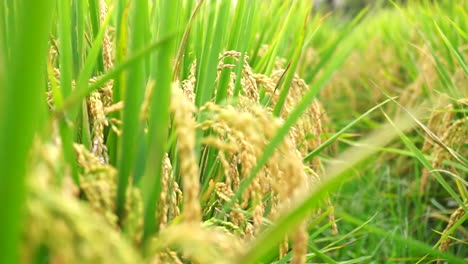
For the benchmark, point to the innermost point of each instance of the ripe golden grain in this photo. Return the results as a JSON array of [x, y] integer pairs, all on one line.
[[454, 137], [164, 197], [71, 231], [243, 131], [239, 133], [198, 244], [185, 129], [98, 122], [107, 50], [98, 183], [439, 121], [188, 85], [454, 217]]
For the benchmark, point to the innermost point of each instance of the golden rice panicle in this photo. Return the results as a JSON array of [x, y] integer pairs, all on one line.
[[248, 127], [53, 52], [454, 217], [241, 141], [188, 85], [439, 121], [133, 221], [164, 257], [224, 192], [300, 240], [165, 195], [107, 49], [248, 80], [291, 183], [198, 244], [331, 215], [71, 231], [314, 125], [99, 121], [283, 247], [107, 55], [307, 131], [98, 183], [306, 134], [48, 166], [241, 132], [176, 199], [185, 124], [227, 168], [454, 137]]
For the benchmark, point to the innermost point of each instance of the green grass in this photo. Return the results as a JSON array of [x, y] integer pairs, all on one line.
[[380, 74], [22, 113]]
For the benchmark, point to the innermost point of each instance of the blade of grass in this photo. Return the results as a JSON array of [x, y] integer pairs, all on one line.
[[332, 139], [78, 31], [120, 81], [330, 50], [66, 128], [321, 255], [268, 60], [22, 86], [93, 6], [159, 117], [182, 46], [410, 145], [133, 98], [292, 66], [446, 235], [245, 36], [78, 95], [209, 62], [236, 26], [405, 153], [409, 242], [93, 55], [65, 48], [458, 55]]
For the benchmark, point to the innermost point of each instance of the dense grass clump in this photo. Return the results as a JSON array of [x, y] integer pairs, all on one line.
[[186, 131]]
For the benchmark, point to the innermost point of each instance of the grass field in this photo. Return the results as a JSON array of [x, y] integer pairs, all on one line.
[[248, 131]]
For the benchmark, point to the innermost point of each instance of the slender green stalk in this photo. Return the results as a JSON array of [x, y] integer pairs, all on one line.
[[332, 139], [22, 85], [66, 126], [428, 165], [79, 94], [292, 67], [133, 99], [159, 116], [93, 6], [209, 61]]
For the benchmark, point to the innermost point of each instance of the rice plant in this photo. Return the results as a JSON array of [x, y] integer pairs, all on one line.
[[218, 131]]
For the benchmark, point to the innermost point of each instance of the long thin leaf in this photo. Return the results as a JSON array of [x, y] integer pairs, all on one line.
[[21, 98]]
